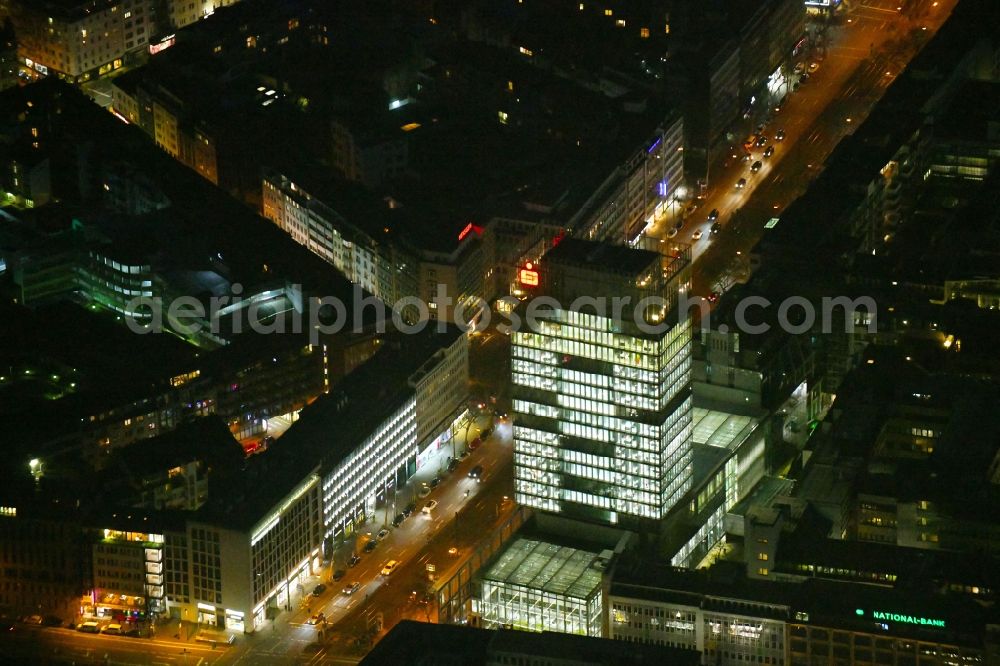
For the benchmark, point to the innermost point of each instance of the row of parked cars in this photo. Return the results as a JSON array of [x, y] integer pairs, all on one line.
[[112, 629]]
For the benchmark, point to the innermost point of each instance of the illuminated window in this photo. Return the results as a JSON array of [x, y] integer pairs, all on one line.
[[510, 86], [644, 33], [502, 116], [127, 15], [620, 23], [83, 33], [762, 571], [609, 12], [666, 29], [526, 51], [762, 557], [581, 6]]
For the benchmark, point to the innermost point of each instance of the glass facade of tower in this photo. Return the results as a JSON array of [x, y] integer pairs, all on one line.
[[603, 416]]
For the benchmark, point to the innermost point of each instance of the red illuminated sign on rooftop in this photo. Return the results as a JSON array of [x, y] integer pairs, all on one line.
[[528, 276], [469, 228]]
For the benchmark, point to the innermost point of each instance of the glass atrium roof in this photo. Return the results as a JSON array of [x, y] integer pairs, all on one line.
[[720, 428], [547, 567]]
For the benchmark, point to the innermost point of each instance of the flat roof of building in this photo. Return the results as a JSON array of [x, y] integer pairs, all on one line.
[[548, 567], [599, 256], [832, 604], [586, 650], [421, 642], [329, 429], [205, 439], [720, 429]]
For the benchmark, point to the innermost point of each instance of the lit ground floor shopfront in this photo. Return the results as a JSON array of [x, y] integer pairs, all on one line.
[[288, 594]]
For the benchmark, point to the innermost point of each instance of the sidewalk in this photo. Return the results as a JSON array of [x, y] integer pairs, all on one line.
[[434, 466]]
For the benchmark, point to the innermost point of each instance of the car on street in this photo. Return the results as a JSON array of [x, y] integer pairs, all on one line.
[[435, 482], [799, 67], [671, 232], [382, 534], [755, 167], [319, 589], [741, 183], [696, 235], [135, 632], [813, 66], [474, 444], [338, 574], [398, 520], [761, 140], [452, 464], [804, 78], [714, 215], [713, 297], [779, 135], [691, 208], [353, 562], [716, 228], [679, 225], [318, 618], [351, 588], [390, 567], [746, 157], [409, 508], [769, 151], [33, 619], [89, 627], [425, 490], [429, 507], [370, 546], [113, 629], [476, 472]]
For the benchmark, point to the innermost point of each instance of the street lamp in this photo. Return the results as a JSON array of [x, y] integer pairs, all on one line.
[[36, 467]]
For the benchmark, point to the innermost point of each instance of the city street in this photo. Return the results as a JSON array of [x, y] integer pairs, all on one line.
[[863, 50], [37, 645], [866, 49], [458, 522]]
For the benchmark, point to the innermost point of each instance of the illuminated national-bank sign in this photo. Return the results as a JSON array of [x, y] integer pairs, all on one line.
[[902, 617]]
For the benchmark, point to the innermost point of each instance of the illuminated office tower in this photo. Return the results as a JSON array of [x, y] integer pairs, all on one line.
[[602, 400]]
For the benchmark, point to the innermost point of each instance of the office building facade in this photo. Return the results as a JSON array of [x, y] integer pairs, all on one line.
[[83, 40], [645, 184], [603, 410]]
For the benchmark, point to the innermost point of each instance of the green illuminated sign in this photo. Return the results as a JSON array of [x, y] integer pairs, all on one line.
[[771, 224], [900, 617]]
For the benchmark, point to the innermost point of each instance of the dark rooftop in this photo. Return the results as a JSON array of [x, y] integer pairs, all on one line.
[[329, 428], [620, 259], [206, 439], [725, 586], [418, 642]]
